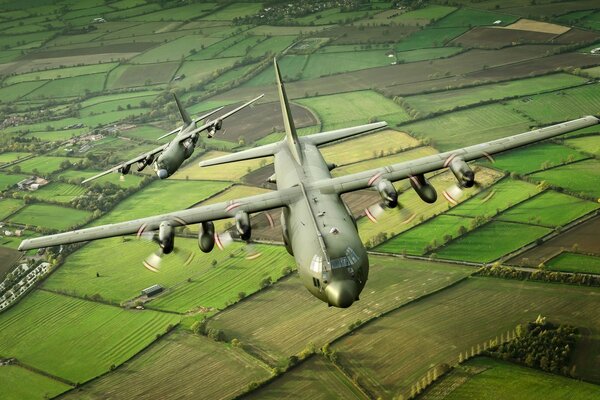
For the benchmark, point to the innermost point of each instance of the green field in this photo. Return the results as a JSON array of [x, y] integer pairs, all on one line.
[[485, 378], [491, 241], [9, 206], [468, 17], [128, 181], [427, 333], [581, 177], [182, 13], [14, 92], [11, 156], [198, 71], [449, 99], [587, 144], [431, 233], [81, 338], [574, 262], [174, 50], [37, 386], [161, 197], [316, 378], [44, 165], [50, 216], [550, 209], [536, 157], [125, 76], [118, 105], [234, 10], [58, 192], [294, 317], [217, 371], [233, 172], [354, 108], [70, 87], [429, 37], [417, 17], [58, 73], [7, 181]]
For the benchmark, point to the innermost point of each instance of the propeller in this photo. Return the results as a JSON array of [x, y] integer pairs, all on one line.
[[154, 260]]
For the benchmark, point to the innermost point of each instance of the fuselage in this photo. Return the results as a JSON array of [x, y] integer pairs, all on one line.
[[171, 158], [320, 231]]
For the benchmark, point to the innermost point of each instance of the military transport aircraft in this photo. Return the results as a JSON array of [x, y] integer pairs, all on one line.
[[318, 229], [171, 155]]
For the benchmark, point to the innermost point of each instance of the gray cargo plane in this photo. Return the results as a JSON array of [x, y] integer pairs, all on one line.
[[318, 228], [171, 155]]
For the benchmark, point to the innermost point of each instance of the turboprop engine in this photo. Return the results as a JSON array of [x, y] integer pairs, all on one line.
[[206, 236], [423, 188], [463, 173], [166, 237], [242, 225], [144, 162], [216, 126], [388, 193], [124, 170]]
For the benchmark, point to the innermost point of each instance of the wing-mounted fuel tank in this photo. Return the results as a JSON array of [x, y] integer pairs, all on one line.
[[423, 188], [242, 225], [461, 170], [166, 237], [206, 236], [388, 193]]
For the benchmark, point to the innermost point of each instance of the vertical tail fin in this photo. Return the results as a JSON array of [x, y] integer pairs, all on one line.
[[184, 115], [288, 122]]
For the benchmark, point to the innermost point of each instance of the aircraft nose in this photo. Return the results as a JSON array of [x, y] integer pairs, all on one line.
[[162, 173], [341, 293]]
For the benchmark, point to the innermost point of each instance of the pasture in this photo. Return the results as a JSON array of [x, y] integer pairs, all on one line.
[[162, 197], [234, 10], [37, 386], [59, 73], [198, 71], [429, 37], [232, 172], [70, 87], [7, 180], [391, 353], [574, 262], [59, 192], [50, 216], [14, 92], [491, 241], [221, 372], [174, 50], [294, 317], [586, 144], [468, 17], [11, 156], [183, 13], [82, 339], [44, 165], [9, 206], [581, 177], [125, 76], [128, 181], [419, 17], [536, 157], [488, 378]]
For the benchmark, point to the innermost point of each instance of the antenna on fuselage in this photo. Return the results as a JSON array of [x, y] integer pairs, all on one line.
[[291, 135]]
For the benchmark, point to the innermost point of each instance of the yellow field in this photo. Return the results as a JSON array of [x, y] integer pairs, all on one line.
[[536, 26], [229, 172]]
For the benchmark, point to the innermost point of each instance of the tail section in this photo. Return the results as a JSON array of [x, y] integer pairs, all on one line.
[[184, 115], [288, 122]]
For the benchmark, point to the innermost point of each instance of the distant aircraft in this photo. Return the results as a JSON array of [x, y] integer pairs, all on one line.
[[171, 155], [318, 228]]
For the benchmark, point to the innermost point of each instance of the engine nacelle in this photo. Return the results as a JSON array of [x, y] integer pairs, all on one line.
[[166, 237], [124, 170], [388, 193], [219, 124], [423, 188], [463, 173], [242, 225], [331, 166], [144, 162], [206, 236]]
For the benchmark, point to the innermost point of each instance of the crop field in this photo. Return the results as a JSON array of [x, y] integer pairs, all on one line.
[[368, 146], [198, 71], [587, 144], [162, 197], [43, 164], [14, 92], [174, 50], [390, 354], [180, 354], [497, 198], [581, 177], [177, 13], [574, 262], [69, 87], [358, 108], [38, 386], [316, 378], [11, 156], [491, 241], [7, 181], [429, 37], [429, 234], [447, 100], [494, 38], [117, 105], [536, 157], [81, 339], [59, 73], [550, 209], [128, 181], [50, 216], [419, 17], [58, 192], [332, 16], [141, 75], [489, 382], [294, 317], [233, 172], [9, 206], [144, 132], [469, 17]]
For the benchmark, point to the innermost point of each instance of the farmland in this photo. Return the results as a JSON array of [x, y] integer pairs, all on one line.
[[50, 216], [9, 206], [38, 386], [7, 181], [573, 262], [43, 164], [59, 192], [582, 177], [233, 172]]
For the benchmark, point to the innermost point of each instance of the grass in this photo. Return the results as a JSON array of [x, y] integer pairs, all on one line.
[[431, 233], [294, 317], [221, 371], [419, 17], [79, 175], [175, 50], [43, 164], [38, 386], [574, 262], [233, 172], [183, 13], [161, 197], [59, 73], [7, 181], [316, 378], [11, 93], [491, 241], [581, 177], [235, 10], [429, 37], [449, 99], [11, 156], [354, 108], [273, 45], [468, 17], [9, 207], [58, 192], [82, 339], [536, 157], [125, 76], [550, 209], [198, 71], [390, 354], [116, 105], [50, 216], [587, 144], [209, 287], [70, 87]]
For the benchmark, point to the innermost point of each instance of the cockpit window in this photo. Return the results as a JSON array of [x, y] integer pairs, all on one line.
[[349, 259]]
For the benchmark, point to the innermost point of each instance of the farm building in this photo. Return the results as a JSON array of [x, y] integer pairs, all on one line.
[[32, 183], [152, 290]]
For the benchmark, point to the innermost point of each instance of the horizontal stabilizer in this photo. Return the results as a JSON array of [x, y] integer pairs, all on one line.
[[318, 139], [257, 152]]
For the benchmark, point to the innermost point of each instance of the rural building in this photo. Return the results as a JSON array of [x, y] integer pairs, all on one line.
[[152, 290], [32, 183]]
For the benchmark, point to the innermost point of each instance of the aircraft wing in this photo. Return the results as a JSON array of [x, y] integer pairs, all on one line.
[[396, 172], [190, 216], [195, 120], [125, 164]]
